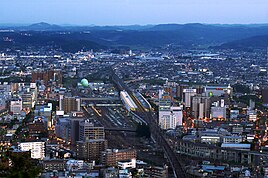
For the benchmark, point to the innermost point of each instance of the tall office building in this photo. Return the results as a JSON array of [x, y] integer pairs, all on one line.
[[90, 150], [169, 116], [179, 90], [201, 107], [88, 131], [75, 129], [63, 129], [187, 96], [71, 104], [28, 100], [61, 96], [91, 141]]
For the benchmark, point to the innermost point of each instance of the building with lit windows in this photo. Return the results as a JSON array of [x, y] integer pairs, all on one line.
[[87, 131], [187, 96], [169, 116], [218, 90], [37, 149], [111, 157]]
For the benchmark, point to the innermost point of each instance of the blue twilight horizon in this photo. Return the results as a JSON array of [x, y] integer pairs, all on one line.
[[128, 12]]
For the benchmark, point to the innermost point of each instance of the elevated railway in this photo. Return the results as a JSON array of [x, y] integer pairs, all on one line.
[[156, 132]]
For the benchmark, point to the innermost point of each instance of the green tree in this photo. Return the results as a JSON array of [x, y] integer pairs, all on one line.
[[23, 166]]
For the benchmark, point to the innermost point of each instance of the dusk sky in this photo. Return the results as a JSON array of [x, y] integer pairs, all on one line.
[[127, 12]]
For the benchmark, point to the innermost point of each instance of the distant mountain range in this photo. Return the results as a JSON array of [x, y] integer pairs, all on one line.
[[248, 43], [96, 37], [42, 26]]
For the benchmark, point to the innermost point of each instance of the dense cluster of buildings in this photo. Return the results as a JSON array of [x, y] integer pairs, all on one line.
[[212, 112]]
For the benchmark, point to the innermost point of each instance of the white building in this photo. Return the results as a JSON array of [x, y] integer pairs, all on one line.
[[210, 139], [187, 96], [127, 164], [232, 139], [37, 149], [16, 106], [61, 96], [161, 92], [169, 117]]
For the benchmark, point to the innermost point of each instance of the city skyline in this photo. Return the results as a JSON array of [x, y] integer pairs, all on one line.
[[132, 88], [129, 12]]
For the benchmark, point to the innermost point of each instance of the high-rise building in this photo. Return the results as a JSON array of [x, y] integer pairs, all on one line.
[[28, 95], [179, 90], [71, 104], [169, 116], [88, 131], [252, 115], [187, 96], [75, 129], [91, 141], [61, 96], [27, 100], [63, 129], [90, 150], [37, 149], [201, 107]]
